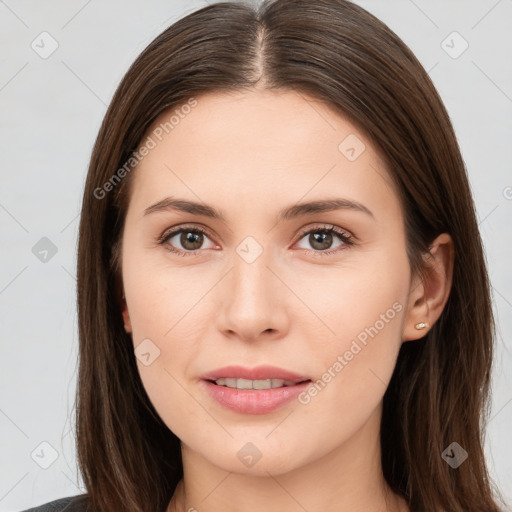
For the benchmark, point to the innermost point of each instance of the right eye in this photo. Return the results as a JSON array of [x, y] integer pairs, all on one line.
[[190, 239]]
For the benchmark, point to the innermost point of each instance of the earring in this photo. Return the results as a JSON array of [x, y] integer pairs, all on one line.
[[421, 325]]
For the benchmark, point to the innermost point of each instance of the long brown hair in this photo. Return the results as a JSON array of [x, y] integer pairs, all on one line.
[[338, 53]]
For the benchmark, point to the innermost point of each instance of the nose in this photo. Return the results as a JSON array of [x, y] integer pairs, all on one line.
[[254, 301]]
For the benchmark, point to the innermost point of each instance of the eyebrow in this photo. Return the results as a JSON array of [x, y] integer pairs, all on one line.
[[297, 210]]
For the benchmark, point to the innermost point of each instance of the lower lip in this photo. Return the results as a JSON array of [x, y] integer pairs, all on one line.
[[254, 401]]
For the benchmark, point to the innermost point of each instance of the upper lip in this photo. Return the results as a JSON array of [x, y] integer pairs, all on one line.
[[256, 373]]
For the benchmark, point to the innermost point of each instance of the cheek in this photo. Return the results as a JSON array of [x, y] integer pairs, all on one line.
[[355, 370], [163, 357], [161, 297], [356, 362], [167, 323]]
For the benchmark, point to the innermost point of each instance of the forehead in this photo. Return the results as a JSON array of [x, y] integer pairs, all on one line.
[[258, 146], [258, 120]]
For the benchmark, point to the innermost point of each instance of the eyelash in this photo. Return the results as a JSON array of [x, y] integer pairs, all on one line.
[[328, 229]]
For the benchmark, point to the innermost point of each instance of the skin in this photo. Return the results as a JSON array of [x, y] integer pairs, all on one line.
[[251, 154]]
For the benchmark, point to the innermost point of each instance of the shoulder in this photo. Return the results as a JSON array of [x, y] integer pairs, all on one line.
[[76, 503]]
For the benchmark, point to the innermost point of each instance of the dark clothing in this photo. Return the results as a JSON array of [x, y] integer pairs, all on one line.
[[76, 503]]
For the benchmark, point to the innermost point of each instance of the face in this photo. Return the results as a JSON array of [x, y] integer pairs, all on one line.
[[321, 293]]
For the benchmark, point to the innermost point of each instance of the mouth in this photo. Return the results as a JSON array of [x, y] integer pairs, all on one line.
[[259, 390], [259, 377], [239, 383]]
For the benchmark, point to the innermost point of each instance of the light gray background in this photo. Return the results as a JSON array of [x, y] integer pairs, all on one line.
[[51, 110]]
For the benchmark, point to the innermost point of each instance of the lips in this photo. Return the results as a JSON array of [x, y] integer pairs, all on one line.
[[257, 373], [255, 400]]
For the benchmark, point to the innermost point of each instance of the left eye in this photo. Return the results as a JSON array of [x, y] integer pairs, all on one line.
[[321, 239]]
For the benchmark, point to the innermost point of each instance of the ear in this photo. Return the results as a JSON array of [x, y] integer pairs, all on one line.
[[126, 315], [115, 265], [429, 293]]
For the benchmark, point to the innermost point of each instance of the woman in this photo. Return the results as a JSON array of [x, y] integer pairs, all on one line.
[[283, 300]]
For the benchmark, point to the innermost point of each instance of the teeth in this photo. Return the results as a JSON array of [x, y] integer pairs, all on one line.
[[253, 384]]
